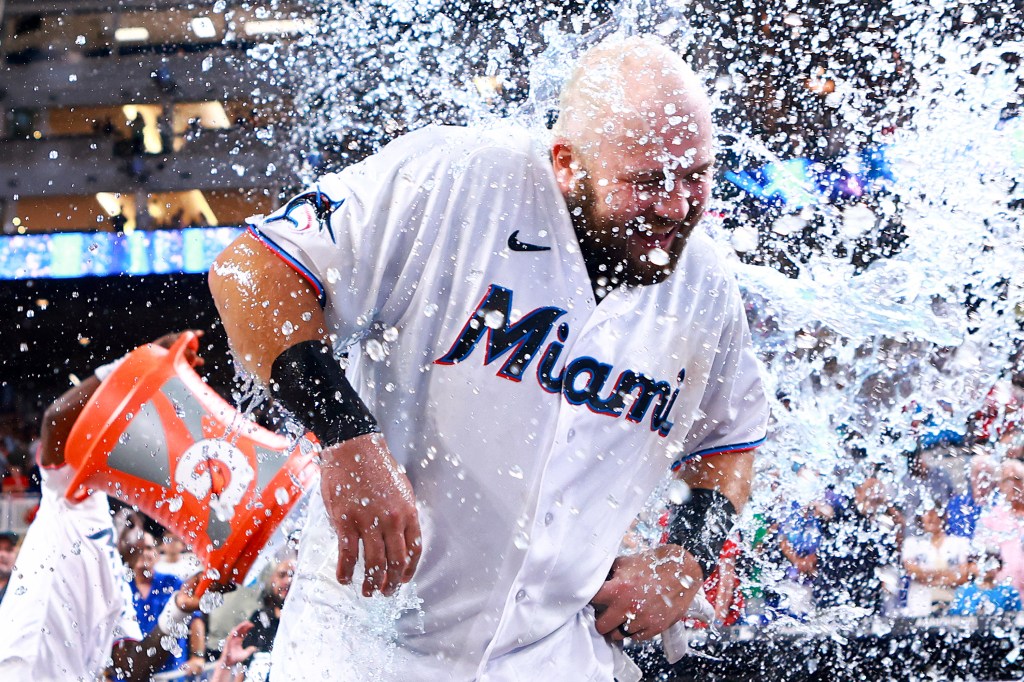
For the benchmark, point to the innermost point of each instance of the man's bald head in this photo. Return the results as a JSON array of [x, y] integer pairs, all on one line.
[[633, 157], [623, 82]]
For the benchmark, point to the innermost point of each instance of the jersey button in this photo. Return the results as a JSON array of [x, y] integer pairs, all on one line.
[[520, 595]]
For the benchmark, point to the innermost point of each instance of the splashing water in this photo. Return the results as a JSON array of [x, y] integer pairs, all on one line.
[[866, 314], [849, 347]]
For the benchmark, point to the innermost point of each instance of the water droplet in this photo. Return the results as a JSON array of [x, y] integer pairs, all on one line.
[[287, 328], [494, 319], [390, 334], [658, 256], [521, 540], [282, 496], [515, 471], [374, 350], [678, 492]]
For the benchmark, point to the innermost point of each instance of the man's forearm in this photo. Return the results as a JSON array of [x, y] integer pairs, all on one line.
[[719, 487], [60, 417], [139, 660], [729, 473]]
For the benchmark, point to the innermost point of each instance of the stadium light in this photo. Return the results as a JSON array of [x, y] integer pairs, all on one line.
[[203, 27], [278, 26], [109, 202], [131, 34]]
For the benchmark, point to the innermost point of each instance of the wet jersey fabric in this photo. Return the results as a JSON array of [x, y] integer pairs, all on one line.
[[533, 421], [68, 600]]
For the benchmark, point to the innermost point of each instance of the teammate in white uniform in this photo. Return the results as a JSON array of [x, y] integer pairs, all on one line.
[[68, 608], [538, 349], [69, 600]]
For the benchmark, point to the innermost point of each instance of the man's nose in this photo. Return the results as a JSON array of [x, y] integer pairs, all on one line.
[[674, 205]]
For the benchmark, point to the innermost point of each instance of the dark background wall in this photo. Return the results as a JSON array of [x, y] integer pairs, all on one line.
[[53, 328]]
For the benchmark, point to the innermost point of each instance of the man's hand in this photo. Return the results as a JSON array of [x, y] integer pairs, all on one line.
[[188, 600], [647, 593], [369, 499], [167, 340], [234, 653]]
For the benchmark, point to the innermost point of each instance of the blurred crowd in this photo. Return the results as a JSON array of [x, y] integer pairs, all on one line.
[[917, 548], [19, 473], [945, 538]]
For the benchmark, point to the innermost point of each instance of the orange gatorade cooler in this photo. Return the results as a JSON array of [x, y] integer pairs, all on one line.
[[154, 435]]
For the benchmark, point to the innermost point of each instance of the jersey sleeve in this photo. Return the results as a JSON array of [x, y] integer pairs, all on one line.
[[126, 627], [357, 237], [733, 410]]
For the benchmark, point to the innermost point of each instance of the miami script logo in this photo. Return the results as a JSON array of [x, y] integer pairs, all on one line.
[[581, 382]]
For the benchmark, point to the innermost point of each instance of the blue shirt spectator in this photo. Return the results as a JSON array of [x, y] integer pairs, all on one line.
[[975, 600], [962, 517], [150, 593], [965, 509], [984, 596], [148, 608]]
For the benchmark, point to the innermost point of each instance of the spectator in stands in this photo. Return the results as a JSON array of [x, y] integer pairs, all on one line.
[[176, 559], [722, 588], [965, 508], [15, 481], [986, 595], [222, 621], [859, 552], [798, 540], [1000, 417], [936, 564], [266, 619], [1002, 526], [925, 485], [151, 591], [137, 126], [256, 635], [8, 555]]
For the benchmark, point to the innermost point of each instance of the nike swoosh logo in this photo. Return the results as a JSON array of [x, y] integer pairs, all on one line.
[[516, 245]]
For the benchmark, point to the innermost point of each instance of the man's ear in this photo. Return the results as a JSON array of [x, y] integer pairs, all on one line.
[[566, 167]]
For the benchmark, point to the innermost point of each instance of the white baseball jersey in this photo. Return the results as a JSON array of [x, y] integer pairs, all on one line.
[[533, 421], [68, 600]]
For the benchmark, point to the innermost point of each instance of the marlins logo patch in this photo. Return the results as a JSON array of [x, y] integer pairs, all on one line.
[[308, 210]]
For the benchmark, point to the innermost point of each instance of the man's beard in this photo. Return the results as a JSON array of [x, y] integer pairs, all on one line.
[[272, 600], [622, 253]]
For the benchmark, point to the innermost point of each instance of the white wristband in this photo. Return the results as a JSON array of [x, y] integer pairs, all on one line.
[[104, 371], [172, 620]]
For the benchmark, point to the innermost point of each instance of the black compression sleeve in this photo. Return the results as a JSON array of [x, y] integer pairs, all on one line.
[[308, 381], [701, 525]]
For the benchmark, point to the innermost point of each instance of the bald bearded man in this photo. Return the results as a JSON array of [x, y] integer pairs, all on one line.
[[537, 334]]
